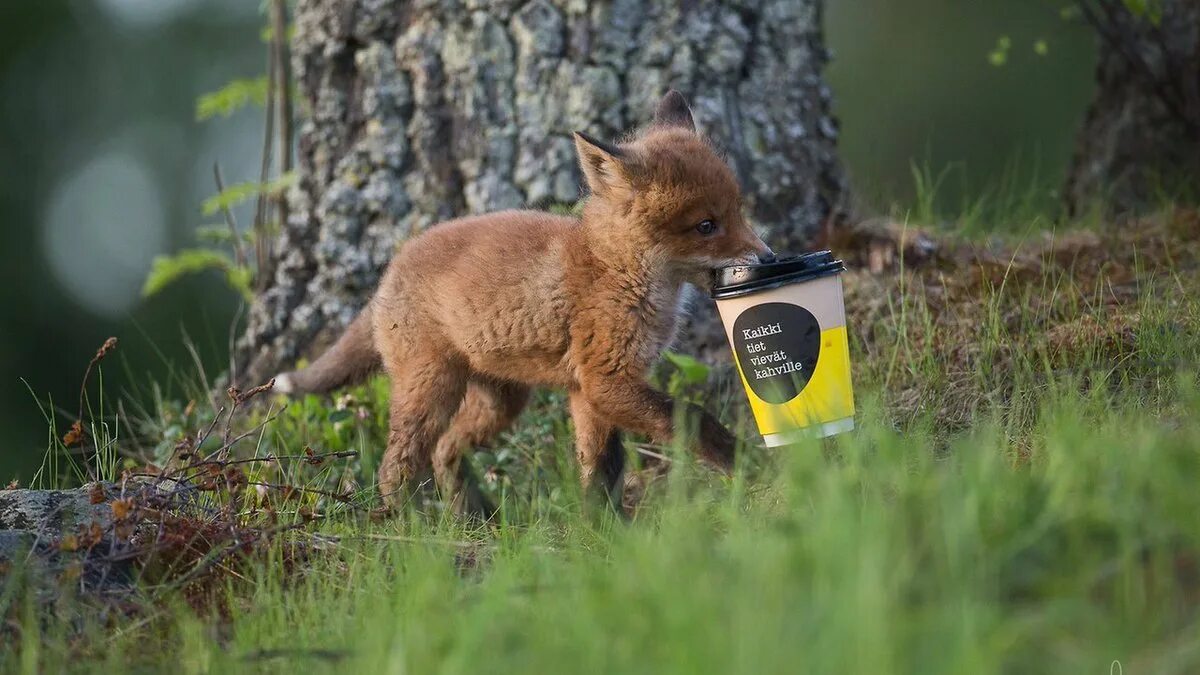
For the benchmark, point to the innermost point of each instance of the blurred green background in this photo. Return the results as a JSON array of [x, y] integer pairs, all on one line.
[[103, 165]]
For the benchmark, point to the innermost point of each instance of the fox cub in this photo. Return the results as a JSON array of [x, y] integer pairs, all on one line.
[[474, 312]]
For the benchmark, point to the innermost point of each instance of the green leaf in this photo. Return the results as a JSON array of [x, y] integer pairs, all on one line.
[[268, 32], [1150, 10], [214, 234], [231, 98], [999, 55], [231, 196], [167, 269], [692, 370], [239, 192], [1041, 48], [241, 279], [1155, 11], [220, 234]]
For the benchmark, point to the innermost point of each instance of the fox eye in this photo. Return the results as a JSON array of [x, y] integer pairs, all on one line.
[[706, 227]]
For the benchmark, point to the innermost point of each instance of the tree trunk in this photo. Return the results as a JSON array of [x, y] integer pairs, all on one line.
[[416, 112], [1141, 137]]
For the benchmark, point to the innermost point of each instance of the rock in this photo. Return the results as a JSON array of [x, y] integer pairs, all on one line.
[[15, 543], [34, 522], [52, 511]]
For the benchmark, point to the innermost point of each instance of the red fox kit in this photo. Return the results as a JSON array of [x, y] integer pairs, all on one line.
[[472, 313]]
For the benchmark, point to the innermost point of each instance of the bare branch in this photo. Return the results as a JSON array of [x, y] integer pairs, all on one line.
[[283, 90], [261, 241], [238, 252]]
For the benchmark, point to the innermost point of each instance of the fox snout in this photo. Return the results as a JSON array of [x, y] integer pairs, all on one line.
[[764, 255], [757, 251]]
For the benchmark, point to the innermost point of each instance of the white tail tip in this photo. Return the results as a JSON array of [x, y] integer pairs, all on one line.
[[284, 384]]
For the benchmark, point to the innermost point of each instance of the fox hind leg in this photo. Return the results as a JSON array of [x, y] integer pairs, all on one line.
[[425, 394], [488, 408]]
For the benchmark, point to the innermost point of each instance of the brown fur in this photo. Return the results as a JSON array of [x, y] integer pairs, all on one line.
[[473, 312]]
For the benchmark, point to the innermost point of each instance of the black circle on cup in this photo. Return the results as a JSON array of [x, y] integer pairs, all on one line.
[[777, 345]]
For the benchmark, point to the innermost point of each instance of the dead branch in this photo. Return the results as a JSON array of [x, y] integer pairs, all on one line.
[[238, 253]]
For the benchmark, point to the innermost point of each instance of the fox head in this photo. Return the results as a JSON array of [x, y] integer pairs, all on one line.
[[667, 193]]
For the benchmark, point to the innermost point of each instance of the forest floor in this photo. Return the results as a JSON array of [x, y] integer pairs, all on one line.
[[1020, 495]]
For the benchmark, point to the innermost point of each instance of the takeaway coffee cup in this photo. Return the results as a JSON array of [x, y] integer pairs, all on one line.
[[786, 322]]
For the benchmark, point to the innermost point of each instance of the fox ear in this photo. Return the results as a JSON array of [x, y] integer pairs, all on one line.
[[610, 170], [673, 111]]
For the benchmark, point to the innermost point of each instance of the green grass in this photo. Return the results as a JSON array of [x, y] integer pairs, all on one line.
[[1019, 496], [877, 553]]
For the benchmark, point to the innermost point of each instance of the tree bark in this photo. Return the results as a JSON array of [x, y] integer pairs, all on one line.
[[414, 112], [1141, 137]]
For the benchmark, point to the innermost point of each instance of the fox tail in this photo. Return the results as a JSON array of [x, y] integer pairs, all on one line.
[[349, 361]]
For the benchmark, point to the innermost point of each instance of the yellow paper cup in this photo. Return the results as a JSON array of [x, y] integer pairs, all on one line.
[[786, 323]]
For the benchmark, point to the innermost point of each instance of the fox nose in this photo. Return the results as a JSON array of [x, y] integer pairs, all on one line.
[[762, 251], [755, 246]]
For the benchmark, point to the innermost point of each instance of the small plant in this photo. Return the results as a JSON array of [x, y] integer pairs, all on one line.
[[226, 253], [166, 269]]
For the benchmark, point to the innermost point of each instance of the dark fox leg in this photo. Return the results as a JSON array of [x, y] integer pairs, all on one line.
[[599, 451], [488, 408]]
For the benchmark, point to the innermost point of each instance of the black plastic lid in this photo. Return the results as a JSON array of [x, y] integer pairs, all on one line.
[[729, 282]]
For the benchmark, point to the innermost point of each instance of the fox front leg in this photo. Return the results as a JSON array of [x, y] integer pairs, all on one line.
[[630, 403], [599, 451]]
